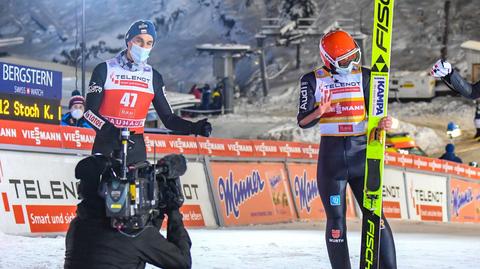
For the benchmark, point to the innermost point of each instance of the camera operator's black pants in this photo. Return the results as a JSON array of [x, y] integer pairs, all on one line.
[[92, 243], [341, 160]]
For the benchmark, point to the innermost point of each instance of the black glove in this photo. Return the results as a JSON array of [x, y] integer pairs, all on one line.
[[109, 130], [111, 134], [171, 194], [172, 165], [202, 127]]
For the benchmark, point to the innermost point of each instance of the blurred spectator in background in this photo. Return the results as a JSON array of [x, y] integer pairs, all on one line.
[[74, 117], [477, 119], [449, 154], [217, 99], [206, 94], [196, 91]]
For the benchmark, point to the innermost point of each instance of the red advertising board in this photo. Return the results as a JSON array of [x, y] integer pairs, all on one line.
[[252, 193], [50, 218], [431, 165], [166, 144], [30, 134], [77, 138], [192, 216], [464, 201], [225, 147], [391, 209], [270, 149]]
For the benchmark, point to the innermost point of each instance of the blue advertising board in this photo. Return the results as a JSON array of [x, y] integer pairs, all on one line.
[[30, 81]]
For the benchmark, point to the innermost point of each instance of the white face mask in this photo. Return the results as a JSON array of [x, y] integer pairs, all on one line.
[[139, 54], [77, 114], [344, 71]]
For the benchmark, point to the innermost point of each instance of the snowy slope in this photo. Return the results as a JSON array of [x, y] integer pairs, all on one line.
[[266, 248]]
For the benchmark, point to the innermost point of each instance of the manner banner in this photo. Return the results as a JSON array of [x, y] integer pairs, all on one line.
[[464, 201], [303, 180], [252, 193]]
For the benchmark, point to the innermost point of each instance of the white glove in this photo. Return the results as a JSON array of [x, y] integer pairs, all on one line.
[[441, 68]]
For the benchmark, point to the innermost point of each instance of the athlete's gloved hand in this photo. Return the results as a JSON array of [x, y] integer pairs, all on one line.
[[202, 127], [111, 134], [441, 69]]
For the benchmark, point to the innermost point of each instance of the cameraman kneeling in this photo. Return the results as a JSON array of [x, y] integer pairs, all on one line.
[[119, 96], [91, 241]]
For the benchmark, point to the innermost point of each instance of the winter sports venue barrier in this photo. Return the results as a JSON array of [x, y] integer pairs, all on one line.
[[228, 182]]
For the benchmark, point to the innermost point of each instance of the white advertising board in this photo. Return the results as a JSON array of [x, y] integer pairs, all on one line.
[[427, 196], [394, 194]]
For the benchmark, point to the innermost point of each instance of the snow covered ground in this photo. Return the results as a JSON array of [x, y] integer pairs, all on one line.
[[267, 248]]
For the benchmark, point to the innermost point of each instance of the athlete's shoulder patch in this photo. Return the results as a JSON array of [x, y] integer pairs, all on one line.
[[94, 88], [321, 72]]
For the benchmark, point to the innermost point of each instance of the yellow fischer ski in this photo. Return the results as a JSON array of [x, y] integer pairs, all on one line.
[[372, 196]]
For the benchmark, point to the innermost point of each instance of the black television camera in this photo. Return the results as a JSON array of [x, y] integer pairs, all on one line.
[[136, 193]]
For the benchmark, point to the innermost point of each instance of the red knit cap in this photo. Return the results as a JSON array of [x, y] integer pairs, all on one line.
[[77, 99]]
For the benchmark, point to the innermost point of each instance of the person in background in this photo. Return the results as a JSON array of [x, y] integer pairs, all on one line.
[[449, 154], [444, 70], [477, 119], [196, 91], [206, 94], [74, 117], [451, 77], [217, 99]]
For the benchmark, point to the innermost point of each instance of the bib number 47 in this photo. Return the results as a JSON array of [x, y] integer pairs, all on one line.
[[129, 99]]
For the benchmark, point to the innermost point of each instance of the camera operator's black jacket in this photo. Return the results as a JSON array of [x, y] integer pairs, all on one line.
[[95, 245], [92, 243]]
